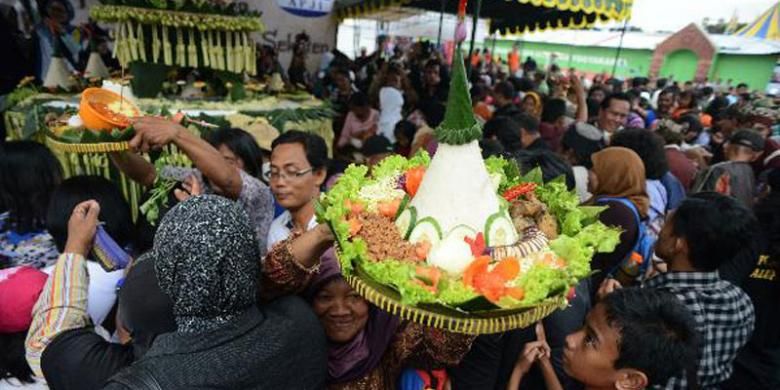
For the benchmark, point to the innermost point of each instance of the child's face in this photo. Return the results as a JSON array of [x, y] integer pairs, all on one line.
[[591, 352]]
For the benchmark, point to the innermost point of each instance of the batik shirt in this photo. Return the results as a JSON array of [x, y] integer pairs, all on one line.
[[34, 249]]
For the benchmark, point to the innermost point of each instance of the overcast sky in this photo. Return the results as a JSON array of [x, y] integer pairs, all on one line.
[[672, 15]]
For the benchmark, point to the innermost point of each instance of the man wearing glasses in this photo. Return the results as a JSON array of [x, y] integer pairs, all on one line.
[[298, 170]]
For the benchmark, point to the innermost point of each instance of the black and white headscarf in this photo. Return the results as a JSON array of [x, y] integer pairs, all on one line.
[[206, 260]]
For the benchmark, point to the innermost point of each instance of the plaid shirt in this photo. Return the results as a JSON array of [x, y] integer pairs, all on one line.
[[724, 318]]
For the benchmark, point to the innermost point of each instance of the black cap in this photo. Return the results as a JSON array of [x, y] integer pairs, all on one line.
[[748, 138], [376, 145]]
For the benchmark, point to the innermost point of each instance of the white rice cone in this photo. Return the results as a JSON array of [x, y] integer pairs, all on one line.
[[96, 67], [58, 74]]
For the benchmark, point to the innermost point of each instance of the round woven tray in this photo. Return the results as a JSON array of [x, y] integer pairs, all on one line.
[[100, 147], [450, 319]]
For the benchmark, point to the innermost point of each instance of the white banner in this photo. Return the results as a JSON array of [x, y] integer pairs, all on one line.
[[307, 8]]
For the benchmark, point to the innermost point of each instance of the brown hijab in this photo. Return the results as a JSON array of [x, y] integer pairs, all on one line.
[[621, 174]]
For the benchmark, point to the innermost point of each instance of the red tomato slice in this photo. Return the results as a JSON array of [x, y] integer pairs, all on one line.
[[516, 293], [508, 269], [477, 267], [490, 285], [414, 177]]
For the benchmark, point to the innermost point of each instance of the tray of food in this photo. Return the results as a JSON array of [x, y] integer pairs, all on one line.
[[102, 124], [459, 242]]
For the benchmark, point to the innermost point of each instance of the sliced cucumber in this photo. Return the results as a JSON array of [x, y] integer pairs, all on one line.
[[405, 222], [461, 231], [499, 230], [427, 229], [402, 206]]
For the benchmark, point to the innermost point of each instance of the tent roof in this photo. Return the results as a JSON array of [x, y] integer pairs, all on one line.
[[767, 26], [725, 44], [508, 16]]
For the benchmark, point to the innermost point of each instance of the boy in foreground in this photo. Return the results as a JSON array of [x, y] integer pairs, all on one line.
[[631, 340]]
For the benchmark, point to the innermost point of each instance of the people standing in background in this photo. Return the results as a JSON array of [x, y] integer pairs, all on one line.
[[613, 114], [298, 75], [503, 100], [29, 175], [391, 100], [734, 177], [664, 190], [56, 34], [475, 59], [404, 135], [578, 144], [361, 123], [433, 87], [482, 109], [513, 60], [660, 85], [532, 104], [617, 180], [268, 63], [682, 167]]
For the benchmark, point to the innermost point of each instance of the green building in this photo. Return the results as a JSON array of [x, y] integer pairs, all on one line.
[[689, 54]]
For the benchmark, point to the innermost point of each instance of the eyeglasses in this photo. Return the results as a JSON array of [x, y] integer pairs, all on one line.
[[287, 175]]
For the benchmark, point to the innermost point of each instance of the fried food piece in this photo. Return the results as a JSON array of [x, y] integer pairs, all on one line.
[[548, 225], [526, 208], [522, 223]]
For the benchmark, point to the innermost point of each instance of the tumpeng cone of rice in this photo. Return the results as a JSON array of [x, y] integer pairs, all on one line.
[[457, 242]]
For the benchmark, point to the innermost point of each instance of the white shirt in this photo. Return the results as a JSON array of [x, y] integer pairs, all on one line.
[[14, 384], [102, 290], [391, 102], [281, 228], [581, 183]]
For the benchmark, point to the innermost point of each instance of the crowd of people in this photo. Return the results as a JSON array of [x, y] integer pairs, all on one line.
[[237, 285]]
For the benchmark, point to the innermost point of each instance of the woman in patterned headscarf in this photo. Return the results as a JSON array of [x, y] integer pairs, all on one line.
[[205, 260], [367, 346]]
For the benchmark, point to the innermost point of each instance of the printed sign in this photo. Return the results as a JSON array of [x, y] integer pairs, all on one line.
[[307, 8]]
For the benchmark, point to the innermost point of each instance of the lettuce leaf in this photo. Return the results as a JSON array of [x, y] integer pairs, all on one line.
[[399, 275], [331, 209], [453, 292], [565, 206], [534, 176], [578, 250], [395, 165], [352, 251], [506, 169], [540, 281], [421, 159], [391, 166]]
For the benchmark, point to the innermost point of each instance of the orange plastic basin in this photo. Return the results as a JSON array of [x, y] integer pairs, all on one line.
[[95, 112]]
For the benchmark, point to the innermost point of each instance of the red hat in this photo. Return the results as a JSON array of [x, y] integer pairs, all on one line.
[[19, 290]]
